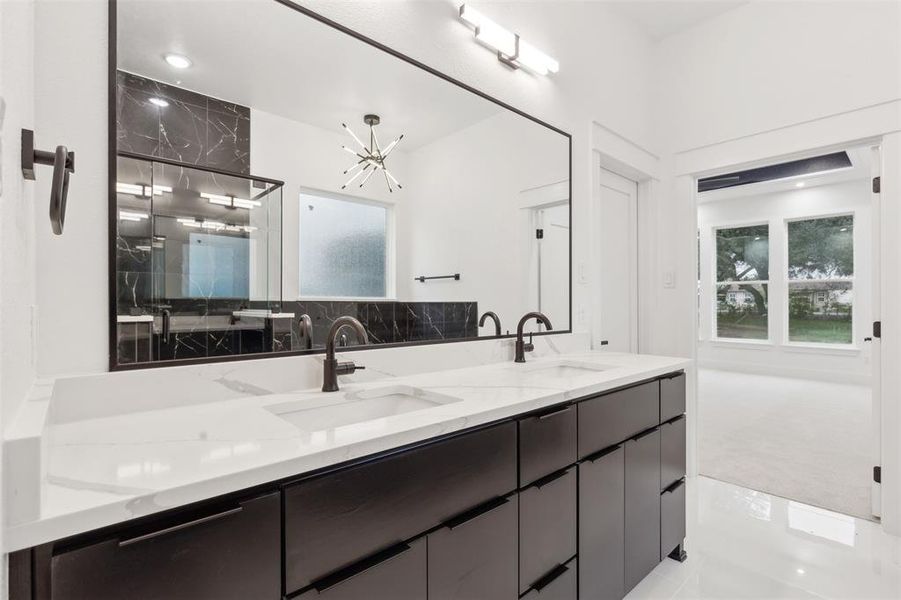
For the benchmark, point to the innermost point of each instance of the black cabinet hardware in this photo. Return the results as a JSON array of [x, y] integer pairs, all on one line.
[[180, 526], [474, 513], [635, 438], [549, 479], [550, 577], [63, 163], [601, 454], [553, 413], [357, 568], [673, 486]]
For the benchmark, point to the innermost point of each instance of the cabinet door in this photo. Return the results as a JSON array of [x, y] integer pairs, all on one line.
[[396, 574], [474, 556], [558, 584], [672, 396], [601, 527], [607, 420], [232, 552], [335, 520], [547, 525], [642, 477], [672, 518], [547, 443], [672, 452]]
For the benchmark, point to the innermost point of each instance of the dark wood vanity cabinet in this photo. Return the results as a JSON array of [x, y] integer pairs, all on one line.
[[230, 552], [579, 500]]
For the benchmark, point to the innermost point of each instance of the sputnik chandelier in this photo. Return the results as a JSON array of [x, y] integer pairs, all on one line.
[[371, 158]]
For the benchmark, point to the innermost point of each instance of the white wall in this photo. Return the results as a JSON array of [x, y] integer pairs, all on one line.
[[777, 357]]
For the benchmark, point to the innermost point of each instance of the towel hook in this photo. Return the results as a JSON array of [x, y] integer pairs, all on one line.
[[63, 163]]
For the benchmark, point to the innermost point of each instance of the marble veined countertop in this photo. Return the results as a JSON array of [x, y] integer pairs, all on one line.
[[104, 470]]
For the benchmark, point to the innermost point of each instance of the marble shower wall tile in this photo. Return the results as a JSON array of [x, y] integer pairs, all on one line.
[[193, 128]]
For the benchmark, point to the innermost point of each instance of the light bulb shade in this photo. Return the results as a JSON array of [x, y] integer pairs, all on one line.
[[535, 60], [493, 35]]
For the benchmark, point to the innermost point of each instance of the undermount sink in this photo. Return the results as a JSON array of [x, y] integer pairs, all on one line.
[[562, 369], [359, 407]]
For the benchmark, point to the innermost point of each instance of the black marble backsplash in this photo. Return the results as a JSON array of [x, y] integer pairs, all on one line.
[[193, 128]]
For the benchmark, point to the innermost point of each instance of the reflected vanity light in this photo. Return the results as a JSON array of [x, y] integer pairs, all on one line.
[[178, 61], [216, 225], [125, 215], [159, 102], [512, 50], [231, 201], [144, 191]]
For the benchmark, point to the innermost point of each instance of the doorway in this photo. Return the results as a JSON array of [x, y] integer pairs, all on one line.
[[788, 398]]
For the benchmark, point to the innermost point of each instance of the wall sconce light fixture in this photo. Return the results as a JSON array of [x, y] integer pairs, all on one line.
[[512, 50]]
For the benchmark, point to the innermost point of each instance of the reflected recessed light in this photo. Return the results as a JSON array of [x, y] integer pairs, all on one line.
[[799, 184], [159, 102], [178, 61], [800, 571]]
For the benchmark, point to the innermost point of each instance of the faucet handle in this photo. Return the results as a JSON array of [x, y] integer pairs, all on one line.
[[529, 346], [347, 368]]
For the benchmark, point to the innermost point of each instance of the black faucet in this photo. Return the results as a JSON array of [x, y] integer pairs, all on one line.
[[333, 368], [493, 316], [522, 348], [306, 331]]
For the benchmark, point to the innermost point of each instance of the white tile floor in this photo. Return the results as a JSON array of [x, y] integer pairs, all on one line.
[[747, 544]]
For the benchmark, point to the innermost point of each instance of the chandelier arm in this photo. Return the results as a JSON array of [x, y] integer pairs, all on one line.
[[391, 177], [368, 175], [392, 146], [387, 182], [354, 136], [357, 174]]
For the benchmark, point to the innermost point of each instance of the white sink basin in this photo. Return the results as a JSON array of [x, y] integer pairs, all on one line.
[[561, 369], [358, 407]]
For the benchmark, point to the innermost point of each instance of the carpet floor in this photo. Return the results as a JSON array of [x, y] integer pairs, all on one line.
[[804, 440]]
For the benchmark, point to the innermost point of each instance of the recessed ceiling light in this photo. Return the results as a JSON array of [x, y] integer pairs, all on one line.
[[178, 61], [159, 102], [799, 184], [800, 571]]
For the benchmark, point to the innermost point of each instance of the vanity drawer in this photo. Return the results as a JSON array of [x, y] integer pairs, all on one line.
[[559, 584], [547, 443], [611, 418], [474, 555], [339, 518], [547, 525], [672, 396], [398, 573], [672, 451], [231, 551], [672, 518]]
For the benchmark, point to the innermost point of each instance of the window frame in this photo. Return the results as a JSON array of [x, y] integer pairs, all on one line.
[[390, 246], [786, 283], [714, 334]]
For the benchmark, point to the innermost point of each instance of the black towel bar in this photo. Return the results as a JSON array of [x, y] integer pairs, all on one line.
[[63, 163], [423, 278]]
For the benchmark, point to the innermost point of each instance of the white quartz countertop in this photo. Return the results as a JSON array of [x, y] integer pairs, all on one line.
[[106, 470]]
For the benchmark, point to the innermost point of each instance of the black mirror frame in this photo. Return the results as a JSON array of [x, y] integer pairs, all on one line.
[[113, 222]]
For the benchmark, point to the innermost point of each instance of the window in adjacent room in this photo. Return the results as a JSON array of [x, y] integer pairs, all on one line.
[[821, 280], [344, 247], [742, 282]]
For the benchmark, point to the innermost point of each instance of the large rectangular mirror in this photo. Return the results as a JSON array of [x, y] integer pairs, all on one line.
[[272, 172]]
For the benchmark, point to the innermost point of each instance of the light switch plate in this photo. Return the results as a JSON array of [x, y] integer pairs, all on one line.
[[669, 279]]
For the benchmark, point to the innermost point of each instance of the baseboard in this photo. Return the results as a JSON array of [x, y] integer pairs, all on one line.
[[782, 371]]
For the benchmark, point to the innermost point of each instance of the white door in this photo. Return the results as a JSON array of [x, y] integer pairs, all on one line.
[[553, 264], [874, 343], [617, 249]]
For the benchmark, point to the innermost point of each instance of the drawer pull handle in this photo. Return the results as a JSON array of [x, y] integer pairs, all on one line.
[[548, 579], [475, 513], [601, 454], [339, 577], [673, 375], [179, 527], [673, 487], [554, 413], [548, 479], [644, 434]]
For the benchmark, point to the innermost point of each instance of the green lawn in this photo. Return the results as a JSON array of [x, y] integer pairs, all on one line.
[[823, 331], [741, 326], [754, 327]]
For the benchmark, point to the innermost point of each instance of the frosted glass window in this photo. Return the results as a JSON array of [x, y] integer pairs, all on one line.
[[343, 248]]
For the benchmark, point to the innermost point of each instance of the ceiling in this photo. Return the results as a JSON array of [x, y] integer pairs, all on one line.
[[858, 171], [272, 58], [662, 18]]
